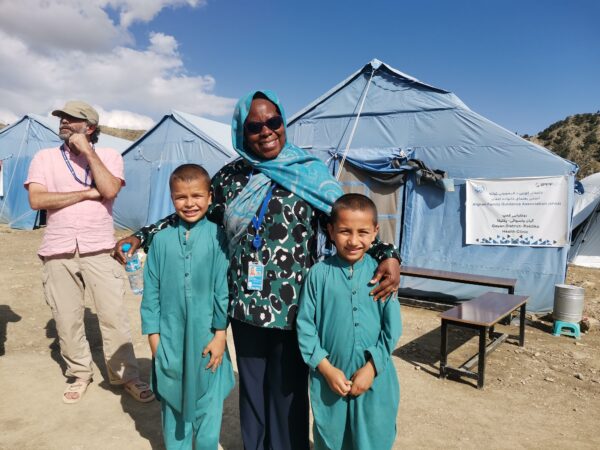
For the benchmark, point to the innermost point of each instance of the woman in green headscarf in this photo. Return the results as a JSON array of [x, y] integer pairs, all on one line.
[[271, 202]]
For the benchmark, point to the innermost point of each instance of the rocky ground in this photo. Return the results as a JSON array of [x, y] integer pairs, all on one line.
[[544, 395], [589, 279]]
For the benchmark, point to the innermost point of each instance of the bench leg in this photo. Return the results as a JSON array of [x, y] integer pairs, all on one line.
[[482, 350], [443, 349], [522, 326]]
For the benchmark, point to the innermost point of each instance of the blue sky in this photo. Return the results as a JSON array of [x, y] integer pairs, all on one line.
[[523, 64]]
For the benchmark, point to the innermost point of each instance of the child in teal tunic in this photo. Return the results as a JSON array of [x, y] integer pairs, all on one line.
[[184, 314], [347, 338]]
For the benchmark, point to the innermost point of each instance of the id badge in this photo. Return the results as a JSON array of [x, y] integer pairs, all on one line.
[[256, 272]]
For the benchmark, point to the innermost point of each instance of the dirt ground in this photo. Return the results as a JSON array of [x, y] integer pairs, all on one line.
[[545, 395]]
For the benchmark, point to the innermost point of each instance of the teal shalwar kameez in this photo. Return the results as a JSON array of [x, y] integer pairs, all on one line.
[[185, 300], [338, 320]]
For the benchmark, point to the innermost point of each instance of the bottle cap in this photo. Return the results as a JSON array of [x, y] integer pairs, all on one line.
[[125, 247]]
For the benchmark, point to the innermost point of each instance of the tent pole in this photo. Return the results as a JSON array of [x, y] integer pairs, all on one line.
[[362, 103]]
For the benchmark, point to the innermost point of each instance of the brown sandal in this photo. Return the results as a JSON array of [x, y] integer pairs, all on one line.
[[140, 391]]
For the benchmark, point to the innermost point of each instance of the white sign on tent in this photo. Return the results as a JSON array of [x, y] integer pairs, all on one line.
[[517, 211]]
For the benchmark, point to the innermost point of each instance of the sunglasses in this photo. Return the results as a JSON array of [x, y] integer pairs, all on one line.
[[256, 127]]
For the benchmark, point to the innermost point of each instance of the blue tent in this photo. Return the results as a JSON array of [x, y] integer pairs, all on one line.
[[383, 116], [18, 143], [177, 139], [585, 240]]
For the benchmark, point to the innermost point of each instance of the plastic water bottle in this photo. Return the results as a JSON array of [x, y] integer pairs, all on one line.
[[133, 267]]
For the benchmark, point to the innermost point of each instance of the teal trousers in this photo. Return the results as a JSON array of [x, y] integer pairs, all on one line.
[[204, 432]]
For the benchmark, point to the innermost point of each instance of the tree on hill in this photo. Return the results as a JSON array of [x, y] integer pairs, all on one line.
[[576, 138]]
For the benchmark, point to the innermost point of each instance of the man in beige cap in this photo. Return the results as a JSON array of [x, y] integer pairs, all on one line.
[[77, 184]]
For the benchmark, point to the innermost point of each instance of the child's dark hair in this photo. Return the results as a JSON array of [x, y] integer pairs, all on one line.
[[190, 172], [354, 202]]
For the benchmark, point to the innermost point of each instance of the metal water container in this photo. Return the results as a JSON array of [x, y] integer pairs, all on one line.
[[568, 303]]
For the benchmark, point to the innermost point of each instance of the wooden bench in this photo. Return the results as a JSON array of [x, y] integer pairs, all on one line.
[[459, 277], [481, 313]]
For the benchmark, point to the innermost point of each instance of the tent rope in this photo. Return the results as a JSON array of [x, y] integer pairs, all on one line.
[[362, 104], [25, 214]]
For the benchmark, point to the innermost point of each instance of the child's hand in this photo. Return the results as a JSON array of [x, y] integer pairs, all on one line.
[[216, 348], [363, 379], [153, 340], [335, 378]]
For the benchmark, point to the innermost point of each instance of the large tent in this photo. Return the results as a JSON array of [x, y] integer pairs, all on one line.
[[18, 143], [585, 249], [382, 116], [177, 139]]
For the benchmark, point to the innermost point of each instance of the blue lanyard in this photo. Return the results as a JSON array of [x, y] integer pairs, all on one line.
[[257, 242], [70, 167]]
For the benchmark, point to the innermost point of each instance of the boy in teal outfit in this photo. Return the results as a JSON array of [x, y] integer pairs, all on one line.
[[184, 314], [347, 339]]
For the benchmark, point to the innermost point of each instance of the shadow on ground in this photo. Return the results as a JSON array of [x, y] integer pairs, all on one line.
[[6, 315], [424, 351], [146, 416]]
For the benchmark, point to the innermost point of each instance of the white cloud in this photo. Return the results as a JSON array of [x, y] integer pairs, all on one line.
[[7, 117], [60, 25], [44, 64], [145, 10], [124, 119], [79, 24], [163, 44]]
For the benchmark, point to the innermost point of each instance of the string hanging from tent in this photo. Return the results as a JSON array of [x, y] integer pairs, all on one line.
[[362, 103]]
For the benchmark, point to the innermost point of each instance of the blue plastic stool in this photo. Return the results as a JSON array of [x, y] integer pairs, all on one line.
[[559, 328]]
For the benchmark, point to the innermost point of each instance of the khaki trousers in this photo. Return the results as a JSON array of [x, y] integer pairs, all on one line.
[[104, 280]]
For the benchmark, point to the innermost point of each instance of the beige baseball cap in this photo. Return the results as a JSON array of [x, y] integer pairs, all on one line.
[[79, 109]]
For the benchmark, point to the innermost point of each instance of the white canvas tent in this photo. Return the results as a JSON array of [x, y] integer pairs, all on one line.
[[585, 249]]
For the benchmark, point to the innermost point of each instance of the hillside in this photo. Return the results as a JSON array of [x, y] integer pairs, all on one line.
[[576, 138], [130, 135]]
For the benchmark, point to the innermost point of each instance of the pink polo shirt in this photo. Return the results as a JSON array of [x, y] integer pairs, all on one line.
[[87, 225]]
